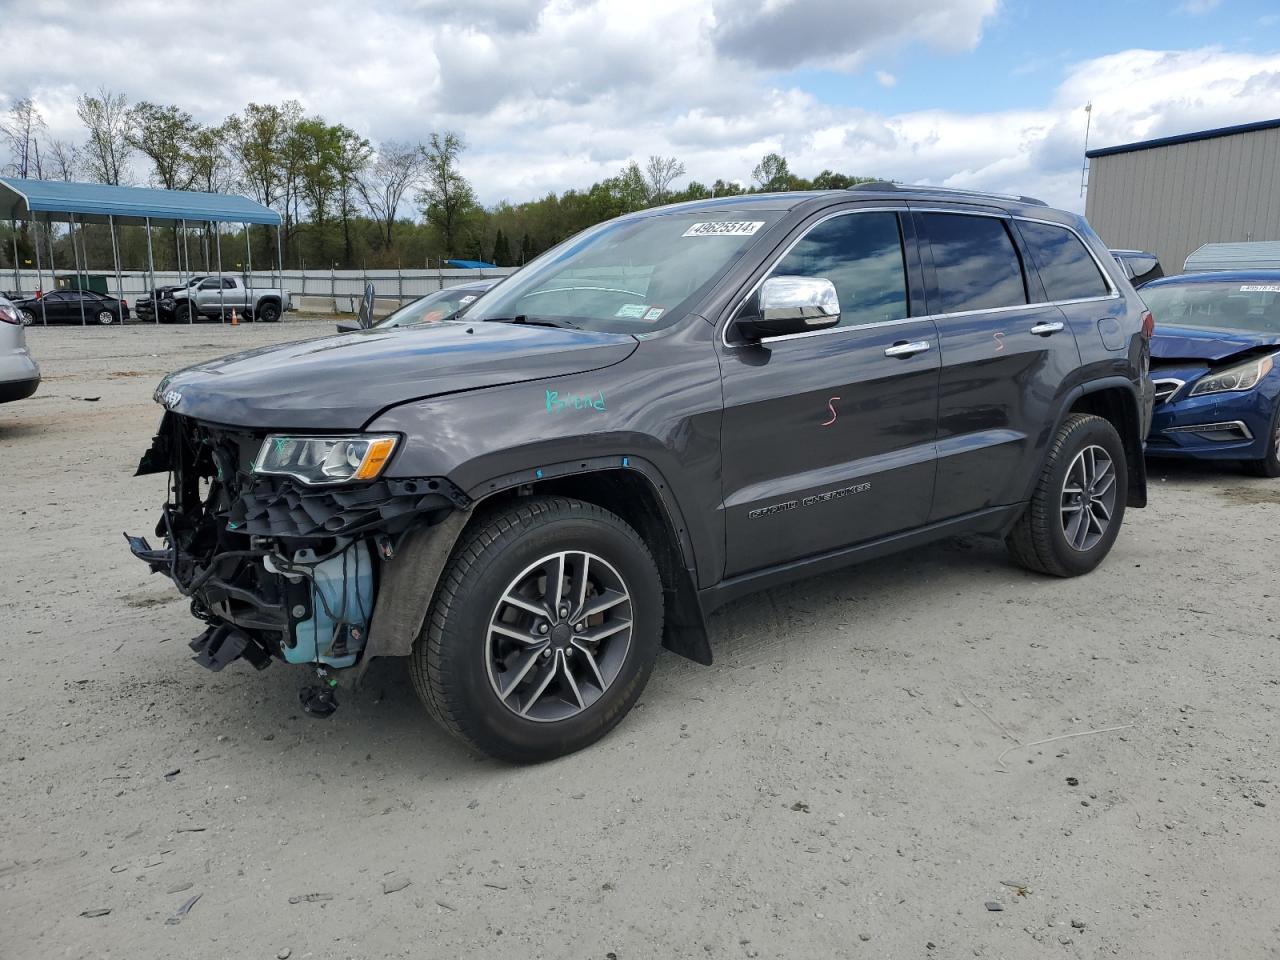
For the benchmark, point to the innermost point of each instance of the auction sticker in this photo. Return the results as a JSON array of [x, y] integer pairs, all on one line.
[[724, 228], [653, 313], [632, 310], [1260, 288]]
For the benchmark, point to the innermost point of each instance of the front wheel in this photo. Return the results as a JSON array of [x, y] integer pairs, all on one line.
[[1078, 504], [1269, 465], [543, 631], [28, 317]]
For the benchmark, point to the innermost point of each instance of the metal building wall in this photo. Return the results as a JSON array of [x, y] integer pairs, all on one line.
[[1171, 199]]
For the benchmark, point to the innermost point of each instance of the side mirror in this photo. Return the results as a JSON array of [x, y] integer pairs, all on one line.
[[349, 326], [785, 305]]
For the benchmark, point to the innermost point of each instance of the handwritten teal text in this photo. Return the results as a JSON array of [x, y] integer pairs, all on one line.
[[574, 401]]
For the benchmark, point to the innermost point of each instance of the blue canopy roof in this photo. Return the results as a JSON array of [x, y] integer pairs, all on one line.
[[94, 202], [472, 264]]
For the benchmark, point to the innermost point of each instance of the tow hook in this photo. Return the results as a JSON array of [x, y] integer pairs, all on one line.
[[320, 700]]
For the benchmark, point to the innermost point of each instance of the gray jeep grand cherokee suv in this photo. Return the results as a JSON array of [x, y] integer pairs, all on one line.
[[662, 413]]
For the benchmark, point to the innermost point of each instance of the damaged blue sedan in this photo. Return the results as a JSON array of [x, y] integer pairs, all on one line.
[[1214, 367]]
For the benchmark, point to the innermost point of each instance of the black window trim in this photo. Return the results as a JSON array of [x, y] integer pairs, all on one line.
[[1006, 215], [1106, 277], [1015, 241], [908, 240]]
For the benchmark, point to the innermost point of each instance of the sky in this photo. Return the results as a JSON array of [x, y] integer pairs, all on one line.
[[552, 94]]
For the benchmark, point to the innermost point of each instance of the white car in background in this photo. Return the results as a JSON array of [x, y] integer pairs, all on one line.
[[19, 375]]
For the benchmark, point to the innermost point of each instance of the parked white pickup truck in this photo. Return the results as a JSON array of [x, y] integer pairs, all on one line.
[[218, 296]]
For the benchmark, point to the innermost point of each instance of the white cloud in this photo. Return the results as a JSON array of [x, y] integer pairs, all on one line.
[[556, 94], [885, 78], [1197, 8]]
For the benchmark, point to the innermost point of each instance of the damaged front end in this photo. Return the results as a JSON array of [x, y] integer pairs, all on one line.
[[276, 564]]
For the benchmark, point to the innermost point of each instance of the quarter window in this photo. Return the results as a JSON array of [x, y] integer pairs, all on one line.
[[975, 261], [861, 254], [1066, 268]]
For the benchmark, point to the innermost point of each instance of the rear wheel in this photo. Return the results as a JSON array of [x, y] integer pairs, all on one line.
[[268, 313], [1078, 504], [105, 317], [543, 631], [1268, 466]]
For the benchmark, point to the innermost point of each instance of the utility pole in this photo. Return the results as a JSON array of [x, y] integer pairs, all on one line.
[[1084, 163]]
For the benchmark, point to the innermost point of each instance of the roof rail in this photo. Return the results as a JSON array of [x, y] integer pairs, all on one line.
[[880, 185]]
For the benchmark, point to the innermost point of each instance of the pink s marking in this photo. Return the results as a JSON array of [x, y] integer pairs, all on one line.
[[999, 339], [831, 405]]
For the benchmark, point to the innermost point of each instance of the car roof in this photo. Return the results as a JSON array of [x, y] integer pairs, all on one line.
[[1218, 276]]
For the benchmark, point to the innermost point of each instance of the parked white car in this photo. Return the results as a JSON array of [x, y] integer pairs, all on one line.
[[19, 374]]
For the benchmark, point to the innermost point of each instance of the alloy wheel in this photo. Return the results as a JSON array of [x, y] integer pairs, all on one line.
[[558, 636], [1088, 498], [105, 317], [28, 318]]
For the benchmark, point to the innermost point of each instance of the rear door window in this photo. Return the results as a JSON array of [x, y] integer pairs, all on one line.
[[861, 254], [975, 261], [1067, 270]]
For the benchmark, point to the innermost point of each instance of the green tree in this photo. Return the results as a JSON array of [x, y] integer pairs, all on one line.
[[164, 135], [447, 197], [772, 174], [501, 249], [106, 152]]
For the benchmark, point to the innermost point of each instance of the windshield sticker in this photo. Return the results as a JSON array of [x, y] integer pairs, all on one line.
[[465, 300], [724, 228], [653, 313], [575, 401], [1260, 288], [632, 310]]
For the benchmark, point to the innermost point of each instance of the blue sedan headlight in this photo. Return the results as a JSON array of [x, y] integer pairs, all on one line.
[[1243, 376]]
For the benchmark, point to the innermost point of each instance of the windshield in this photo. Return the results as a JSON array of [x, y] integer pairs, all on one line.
[[432, 307], [626, 276], [1217, 304]]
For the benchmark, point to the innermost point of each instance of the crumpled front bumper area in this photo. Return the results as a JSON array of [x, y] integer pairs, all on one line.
[[276, 569]]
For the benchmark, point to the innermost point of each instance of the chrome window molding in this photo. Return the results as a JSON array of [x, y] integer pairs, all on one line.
[[908, 207]]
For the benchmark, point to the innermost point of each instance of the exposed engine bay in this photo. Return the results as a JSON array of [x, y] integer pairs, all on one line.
[[277, 568]]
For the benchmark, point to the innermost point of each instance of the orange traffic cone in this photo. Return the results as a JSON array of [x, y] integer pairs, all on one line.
[[235, 318]]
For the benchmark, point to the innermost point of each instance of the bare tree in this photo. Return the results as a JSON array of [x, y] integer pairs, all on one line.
[[59, 161], [106, 153], [22, 131], [659, 173], [397, 168]]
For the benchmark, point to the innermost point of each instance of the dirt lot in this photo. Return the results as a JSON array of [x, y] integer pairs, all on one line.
[[831, 787]]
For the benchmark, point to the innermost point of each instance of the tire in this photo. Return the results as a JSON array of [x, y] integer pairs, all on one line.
[[182, 313], [460, 667], [105, 317], [28, 317], [268, 312], [1053, 538], [1268, 466]]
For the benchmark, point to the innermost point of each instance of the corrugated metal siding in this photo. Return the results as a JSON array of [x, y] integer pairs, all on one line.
[[1171, 200], [1259, 255]]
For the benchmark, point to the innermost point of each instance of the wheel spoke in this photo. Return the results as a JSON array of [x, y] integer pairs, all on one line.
[[606, 601], [522, 671], [585, 653], [545, 682], [1078, 523], [580, 581], [573, 684], [519, 636], [608, 630], [511, 597], [1105, 484], [1072, 508], [1102, 512], [555, 581]]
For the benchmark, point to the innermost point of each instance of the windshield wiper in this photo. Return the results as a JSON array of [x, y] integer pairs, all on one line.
[[533, 321]]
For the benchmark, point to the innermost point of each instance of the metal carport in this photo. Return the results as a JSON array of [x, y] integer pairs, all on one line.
[[78, 203]]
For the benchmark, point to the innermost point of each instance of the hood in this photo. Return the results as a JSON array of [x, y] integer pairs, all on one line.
[[340, 383], [1192, 343]]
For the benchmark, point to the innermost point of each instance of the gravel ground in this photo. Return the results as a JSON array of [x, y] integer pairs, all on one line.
[[831, 787]]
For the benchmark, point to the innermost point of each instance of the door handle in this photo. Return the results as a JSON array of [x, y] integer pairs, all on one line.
[[1047, 329], [907, 349]]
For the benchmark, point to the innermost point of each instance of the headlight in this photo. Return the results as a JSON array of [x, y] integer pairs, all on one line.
[[317, 460], [1244, 376]]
